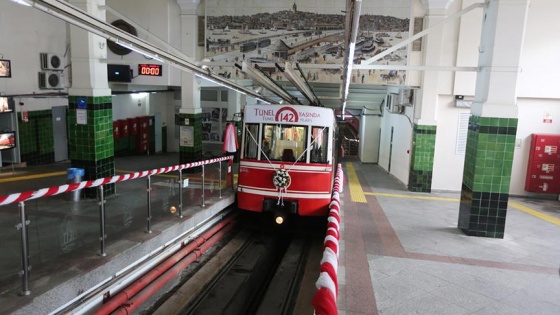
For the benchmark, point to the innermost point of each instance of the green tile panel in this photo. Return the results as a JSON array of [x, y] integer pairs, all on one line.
[[487, 176], [422, 158]]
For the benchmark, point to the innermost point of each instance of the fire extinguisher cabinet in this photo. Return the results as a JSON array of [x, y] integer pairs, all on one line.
[[543, 170]]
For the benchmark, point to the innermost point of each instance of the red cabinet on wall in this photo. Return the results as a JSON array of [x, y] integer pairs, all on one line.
[[123, 124], [116, 130], [543, 170], [132, 126], [142, 139]]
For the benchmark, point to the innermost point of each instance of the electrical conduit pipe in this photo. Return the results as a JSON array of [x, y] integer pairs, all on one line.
[[140, 298], [127, 293]]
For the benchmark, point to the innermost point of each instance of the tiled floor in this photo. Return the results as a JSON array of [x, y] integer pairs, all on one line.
[[401, 253]]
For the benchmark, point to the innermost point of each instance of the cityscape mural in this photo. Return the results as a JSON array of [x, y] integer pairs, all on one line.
[[277, 31]]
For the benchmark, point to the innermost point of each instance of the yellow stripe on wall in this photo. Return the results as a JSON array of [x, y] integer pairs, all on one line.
[[356, 191]]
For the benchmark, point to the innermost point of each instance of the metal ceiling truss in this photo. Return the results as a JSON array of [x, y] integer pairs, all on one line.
[[75, 16], [353, 8], [265, 81], [298, 80]]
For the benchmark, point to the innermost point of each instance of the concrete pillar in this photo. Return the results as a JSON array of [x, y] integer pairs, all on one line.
[[90, 112], [190, 113], [493, 123]]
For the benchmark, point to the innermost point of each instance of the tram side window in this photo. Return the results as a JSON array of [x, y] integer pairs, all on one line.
[[251, 150], [319, 144], [284, 143]]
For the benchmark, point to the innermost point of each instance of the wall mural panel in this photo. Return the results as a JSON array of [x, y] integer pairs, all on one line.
[[307, 33]]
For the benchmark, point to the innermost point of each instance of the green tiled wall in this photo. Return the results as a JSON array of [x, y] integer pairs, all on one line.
[[487, 176], [194, 153], [36, 138], [422, 158], [91, 145]]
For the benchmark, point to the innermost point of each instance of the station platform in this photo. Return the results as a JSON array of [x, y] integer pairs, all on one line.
[[400, 252], [64, 242]]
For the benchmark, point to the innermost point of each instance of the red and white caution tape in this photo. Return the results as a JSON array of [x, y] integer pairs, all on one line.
[[46, 192], [324, 300]]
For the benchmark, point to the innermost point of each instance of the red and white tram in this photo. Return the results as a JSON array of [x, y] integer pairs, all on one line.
[[288, 160]]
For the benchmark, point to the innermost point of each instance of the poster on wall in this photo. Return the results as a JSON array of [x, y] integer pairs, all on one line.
[[213, 124], [5, 68], [306, 32], [5, 105], [81, 116], [187, 136], [547, 118]]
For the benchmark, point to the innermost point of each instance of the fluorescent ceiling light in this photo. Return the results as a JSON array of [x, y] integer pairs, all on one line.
[[22, 2]]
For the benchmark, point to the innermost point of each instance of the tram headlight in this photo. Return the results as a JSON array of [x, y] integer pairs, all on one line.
[[279, 219]]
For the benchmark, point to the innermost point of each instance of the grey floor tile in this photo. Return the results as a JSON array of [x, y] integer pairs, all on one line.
[[531, 303], [465, 298], [427, 303], [498, 308]]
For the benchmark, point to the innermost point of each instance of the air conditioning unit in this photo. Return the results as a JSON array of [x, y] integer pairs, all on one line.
[[50, 80], [392, 103], [51, 61], [406, 97]]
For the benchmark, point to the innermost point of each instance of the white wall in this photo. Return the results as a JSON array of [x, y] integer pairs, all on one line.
[[26, 32], [448, 165], [537, 89], [398, 155], [540, 66], [155, 19]]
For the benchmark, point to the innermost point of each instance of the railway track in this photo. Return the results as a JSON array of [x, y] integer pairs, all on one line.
[[243, 265], [257, 272]]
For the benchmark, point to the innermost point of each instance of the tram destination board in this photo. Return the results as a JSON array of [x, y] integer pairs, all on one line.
[[153, 70]]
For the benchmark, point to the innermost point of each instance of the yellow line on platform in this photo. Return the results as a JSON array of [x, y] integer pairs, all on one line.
[[25, 177], [356, 191], [533, 212], [411, 196], [515, 205]]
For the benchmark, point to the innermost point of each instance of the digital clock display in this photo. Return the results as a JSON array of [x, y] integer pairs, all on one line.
[[149, 69]]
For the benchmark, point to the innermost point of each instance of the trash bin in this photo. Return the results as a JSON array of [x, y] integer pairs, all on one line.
[[74, 175]]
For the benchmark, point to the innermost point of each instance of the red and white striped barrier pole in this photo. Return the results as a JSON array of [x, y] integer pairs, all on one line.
[[324, 300], [55, 190]]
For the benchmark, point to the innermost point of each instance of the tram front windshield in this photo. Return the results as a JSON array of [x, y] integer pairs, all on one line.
[[284, 142], [287, 143]]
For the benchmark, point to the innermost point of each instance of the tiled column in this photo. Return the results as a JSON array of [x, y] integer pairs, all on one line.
[[422, 158], [90, 107], [90, 143], [493, 122], [486, 176], [425, 122]]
